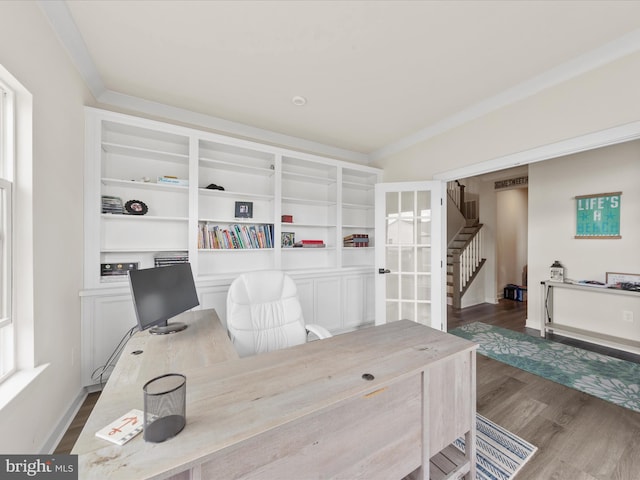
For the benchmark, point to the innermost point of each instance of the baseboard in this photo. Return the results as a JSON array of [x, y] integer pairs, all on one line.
[[64, 423]]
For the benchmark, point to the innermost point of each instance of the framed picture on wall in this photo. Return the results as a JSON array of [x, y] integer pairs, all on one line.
[[598, 216]]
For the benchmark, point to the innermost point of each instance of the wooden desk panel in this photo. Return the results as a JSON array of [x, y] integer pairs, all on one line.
[[304, 411]]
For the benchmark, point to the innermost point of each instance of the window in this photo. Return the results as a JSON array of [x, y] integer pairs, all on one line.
[[7, 357]]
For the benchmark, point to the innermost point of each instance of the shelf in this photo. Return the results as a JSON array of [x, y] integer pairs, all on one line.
[[358, 206], [234, 195], [357, 186], [362, 227], [590, 288], [308, 225], [144, 185], [236, 167], [305, 201], [303, 177], [145, 153], [306, 249], [143, 218], [143, 250], [208, 250], [233, 221], [602, 337]]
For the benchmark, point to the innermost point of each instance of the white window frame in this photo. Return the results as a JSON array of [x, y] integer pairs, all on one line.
[[7, 158]]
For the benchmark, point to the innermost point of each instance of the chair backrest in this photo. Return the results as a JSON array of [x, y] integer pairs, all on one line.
[[264, 313]]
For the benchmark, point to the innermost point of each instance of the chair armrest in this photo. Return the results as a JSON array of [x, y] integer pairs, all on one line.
[[318, 331]]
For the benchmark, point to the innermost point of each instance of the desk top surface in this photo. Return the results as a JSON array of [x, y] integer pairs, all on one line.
[[231, 399]]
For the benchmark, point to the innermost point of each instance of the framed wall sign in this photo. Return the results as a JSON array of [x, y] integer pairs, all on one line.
[[598, 216]]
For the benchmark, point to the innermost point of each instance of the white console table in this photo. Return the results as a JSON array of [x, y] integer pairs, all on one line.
[[548, 324]]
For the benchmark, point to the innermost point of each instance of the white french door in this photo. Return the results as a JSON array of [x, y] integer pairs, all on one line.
[[409, 253]]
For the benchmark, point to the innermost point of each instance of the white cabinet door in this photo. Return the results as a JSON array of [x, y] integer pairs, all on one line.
[[105, 322], [327, 303], [409, 253]]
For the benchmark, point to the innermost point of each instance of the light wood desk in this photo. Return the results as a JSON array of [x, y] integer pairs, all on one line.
[[301, 413]]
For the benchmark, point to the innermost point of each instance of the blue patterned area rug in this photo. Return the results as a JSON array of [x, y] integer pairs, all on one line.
[[611, 379], [499, 453]]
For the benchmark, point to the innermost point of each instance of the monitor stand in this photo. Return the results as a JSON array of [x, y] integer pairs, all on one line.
[[168, 328]]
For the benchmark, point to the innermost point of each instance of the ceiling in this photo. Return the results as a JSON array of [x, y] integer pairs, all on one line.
[[378, 76]]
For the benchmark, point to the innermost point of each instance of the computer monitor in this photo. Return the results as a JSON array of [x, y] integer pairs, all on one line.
[[162, 293]]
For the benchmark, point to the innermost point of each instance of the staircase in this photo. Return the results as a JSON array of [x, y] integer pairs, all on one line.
[[464, 251]]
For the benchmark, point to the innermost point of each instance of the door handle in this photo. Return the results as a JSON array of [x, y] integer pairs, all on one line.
[[383, 270]]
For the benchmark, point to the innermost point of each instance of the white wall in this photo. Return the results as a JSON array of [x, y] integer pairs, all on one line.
[[31, 52], [511, 216], [553, 185]]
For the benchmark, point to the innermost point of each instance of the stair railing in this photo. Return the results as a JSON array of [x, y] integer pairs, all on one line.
[[466, 262], [456, 193]]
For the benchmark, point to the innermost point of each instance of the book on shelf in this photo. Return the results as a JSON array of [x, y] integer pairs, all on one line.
[[112, 205], [123, 429], [356, 240], [169, 180], [235, 236], [310, 244], [170, 258]]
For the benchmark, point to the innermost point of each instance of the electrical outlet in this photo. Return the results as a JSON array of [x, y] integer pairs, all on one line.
[[627, 316]]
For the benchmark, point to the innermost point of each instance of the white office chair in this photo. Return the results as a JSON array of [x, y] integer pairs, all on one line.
[[264, 313]]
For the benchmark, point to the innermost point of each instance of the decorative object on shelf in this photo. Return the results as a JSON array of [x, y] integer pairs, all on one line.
[[213, 186], [287, 219], [556, 272], [598, 216], [170, 180], [112, 205], [244, 210], [288, 239], [624, 281], [117, 269], [136, 207], [356, 240]]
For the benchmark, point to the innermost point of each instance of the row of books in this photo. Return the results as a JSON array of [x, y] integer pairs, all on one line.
[[170, 258], [356, 240], [235, 236]]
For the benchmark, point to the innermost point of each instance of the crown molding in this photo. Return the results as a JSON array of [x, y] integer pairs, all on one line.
[[621, 47], [60, 18], [64, 26]]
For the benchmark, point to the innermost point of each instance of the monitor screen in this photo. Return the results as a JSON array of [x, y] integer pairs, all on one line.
[[162, 293]]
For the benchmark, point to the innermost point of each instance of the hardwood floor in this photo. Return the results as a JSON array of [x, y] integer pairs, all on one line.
[[73, 432], [579, 437]]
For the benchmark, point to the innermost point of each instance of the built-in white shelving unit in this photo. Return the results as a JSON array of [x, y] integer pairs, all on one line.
[[327, 200]]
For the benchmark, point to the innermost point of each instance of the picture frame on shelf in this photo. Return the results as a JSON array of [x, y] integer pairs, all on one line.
[[288, 239], [613, 278], [244, 210]]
